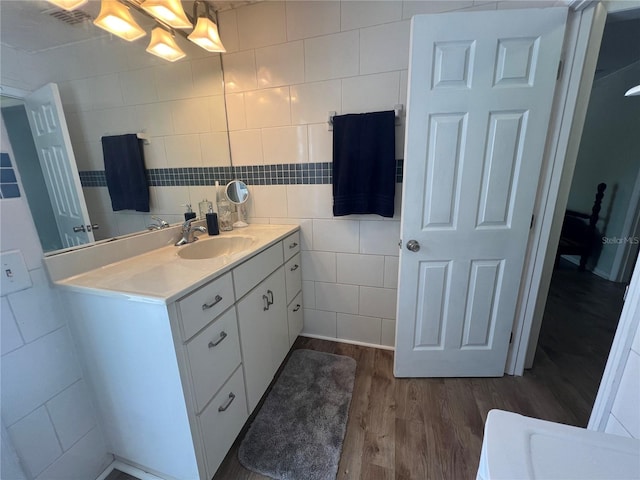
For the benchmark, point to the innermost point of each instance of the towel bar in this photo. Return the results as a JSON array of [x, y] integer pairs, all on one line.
[[396, 108]]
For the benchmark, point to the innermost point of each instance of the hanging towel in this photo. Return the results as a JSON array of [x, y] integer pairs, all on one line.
[[364, 165], [125, 172]]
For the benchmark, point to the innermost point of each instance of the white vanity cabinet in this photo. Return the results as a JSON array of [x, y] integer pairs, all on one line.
[[175, 381]]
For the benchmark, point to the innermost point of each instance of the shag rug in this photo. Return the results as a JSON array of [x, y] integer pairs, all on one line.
[[298, 432]]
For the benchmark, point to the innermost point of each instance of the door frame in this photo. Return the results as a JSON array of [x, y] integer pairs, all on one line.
[[585, 27], [624, 261]]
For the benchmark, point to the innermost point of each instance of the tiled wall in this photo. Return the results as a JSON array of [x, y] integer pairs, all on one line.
[[8, 181], [46, 409]]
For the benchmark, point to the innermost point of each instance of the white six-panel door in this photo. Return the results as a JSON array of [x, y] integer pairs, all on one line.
[[55, 153], [481, 86]]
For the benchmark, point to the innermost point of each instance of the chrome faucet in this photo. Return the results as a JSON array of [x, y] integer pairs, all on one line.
[[159, 224], [188, 233]]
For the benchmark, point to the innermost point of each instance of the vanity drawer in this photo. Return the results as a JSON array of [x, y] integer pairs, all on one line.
[[293, 277], [205, 304], [256, 269], [213, 355], [222, 420], [291, 245], [295, 318]]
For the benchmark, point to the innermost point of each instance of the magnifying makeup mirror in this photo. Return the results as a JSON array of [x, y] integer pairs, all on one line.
[[238, 193]]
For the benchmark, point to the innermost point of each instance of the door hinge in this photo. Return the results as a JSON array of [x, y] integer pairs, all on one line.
[[560, 65], [532, 219], [626, 290], [511, 338]]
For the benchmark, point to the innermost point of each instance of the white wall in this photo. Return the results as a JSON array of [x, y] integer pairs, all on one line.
[[46, 409], [609, 152]]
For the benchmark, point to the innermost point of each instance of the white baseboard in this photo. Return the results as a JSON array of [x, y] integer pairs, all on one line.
[[596, 271], [350, 342], [129, 469]]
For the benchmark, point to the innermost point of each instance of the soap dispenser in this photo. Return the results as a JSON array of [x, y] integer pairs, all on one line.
[[212, 222], [189, 214]]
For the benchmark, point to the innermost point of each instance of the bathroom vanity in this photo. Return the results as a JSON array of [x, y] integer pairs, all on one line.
[[180, 343]]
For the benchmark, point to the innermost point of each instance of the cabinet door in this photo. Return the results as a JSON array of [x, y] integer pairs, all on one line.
[[264, 339], [279, 326], [295, 317]]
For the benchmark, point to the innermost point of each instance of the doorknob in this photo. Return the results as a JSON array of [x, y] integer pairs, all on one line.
[[413, 245], [79, 229]]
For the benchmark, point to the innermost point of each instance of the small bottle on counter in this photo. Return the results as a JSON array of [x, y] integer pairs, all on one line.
[[189, 214], [225, 214], [204, 207], [212, 222]]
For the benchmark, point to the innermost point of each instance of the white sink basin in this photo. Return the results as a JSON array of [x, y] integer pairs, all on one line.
[[216, 247]]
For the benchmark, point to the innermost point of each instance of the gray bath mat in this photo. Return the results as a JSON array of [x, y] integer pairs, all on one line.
[[298, 432]]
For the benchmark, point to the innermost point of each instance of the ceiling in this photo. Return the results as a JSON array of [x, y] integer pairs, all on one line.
[[37, 25]]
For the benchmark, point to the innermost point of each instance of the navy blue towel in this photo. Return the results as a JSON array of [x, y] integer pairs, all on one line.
[[125, 172], [364, 165]]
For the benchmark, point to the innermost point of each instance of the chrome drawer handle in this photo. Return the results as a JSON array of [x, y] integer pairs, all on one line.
[[270, 293], [223, 335], [266, 303], [293, 245], [227, 404], [295, 267], [217, 300], [297, 307]]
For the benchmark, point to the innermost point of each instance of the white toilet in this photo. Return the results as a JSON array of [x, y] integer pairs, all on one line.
[[517, 447]]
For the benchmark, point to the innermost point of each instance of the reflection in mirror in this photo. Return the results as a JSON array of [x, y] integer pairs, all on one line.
[[112, 87], [238, 193]]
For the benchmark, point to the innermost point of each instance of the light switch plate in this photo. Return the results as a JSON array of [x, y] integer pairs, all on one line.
[[14, 273]]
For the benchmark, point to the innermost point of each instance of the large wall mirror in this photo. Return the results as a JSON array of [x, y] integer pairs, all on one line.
[[108, 86]]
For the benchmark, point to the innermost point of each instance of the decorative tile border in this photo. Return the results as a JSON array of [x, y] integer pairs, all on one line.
[[8, 181], [285, 174]]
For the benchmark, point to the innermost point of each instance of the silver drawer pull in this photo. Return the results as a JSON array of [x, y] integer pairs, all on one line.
[[270, 293], [295, 267], [266, 303], [297, 307], [222, 336], [293, 245], [207, 306], [227, 404]]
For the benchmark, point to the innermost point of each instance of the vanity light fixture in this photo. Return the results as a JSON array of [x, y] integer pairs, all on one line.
[[164, 46], [116, 18], [169, 12], [205, 34], [68, 4]]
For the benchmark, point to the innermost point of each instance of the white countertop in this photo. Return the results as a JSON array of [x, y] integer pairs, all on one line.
[[161, 276]]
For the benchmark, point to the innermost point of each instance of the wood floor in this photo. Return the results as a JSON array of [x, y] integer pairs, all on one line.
[[432, 428]]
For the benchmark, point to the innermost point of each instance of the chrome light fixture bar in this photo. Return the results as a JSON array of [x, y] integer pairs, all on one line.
[[169, 12]]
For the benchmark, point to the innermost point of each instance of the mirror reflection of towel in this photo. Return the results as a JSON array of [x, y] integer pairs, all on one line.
[[125, 172], [364, 165]]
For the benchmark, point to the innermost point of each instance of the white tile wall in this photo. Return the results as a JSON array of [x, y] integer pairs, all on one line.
[[37, 310], [261, 24], [270, 107], [332, 56], [280, 64], [312, 18], [285, 145], [367, 270], [35, 441], [38, 365], [378, 302], [360, 329], [10, 337], [357, 14], [312, 102], [72, 414], [335, 297], [320, 323], [336, 235]]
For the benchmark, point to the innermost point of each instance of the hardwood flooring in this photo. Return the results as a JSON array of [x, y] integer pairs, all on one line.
[[432, 428]]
